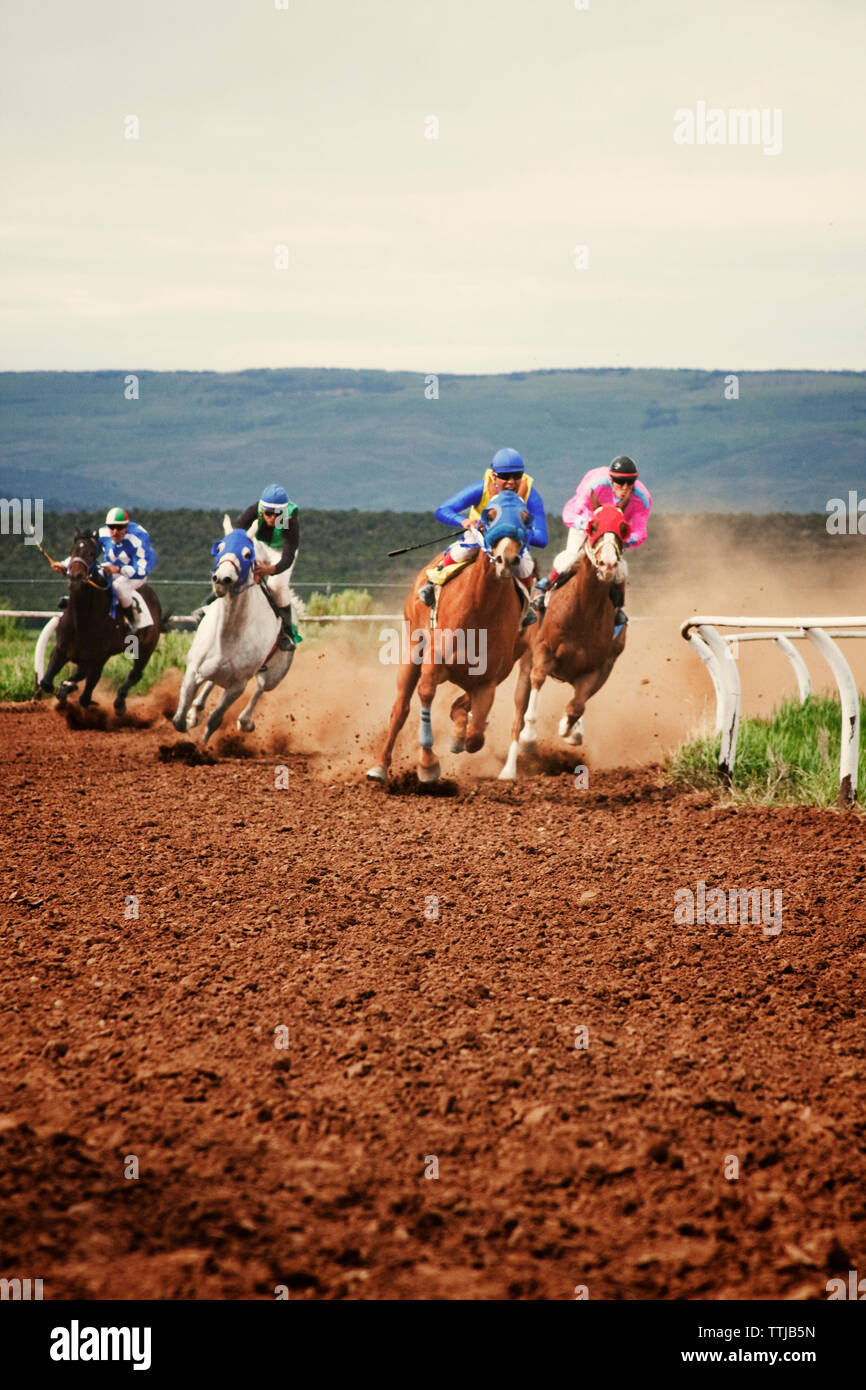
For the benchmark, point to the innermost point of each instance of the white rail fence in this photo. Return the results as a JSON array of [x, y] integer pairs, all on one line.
[[715, 650], [179, 618]]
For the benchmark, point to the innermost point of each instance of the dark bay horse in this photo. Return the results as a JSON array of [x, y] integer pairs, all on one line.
[[87, 635], [474, 642], [576, 642]]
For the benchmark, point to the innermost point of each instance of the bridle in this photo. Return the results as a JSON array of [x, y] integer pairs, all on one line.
[[89, 566], [233, 559], [619, 535]]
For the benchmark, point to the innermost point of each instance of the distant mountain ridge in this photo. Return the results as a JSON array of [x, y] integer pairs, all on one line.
[[370, 440]]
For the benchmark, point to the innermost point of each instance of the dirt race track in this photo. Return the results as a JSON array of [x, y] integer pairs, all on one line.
[[416, 1040]]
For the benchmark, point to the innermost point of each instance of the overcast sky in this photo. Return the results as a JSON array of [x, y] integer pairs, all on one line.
[[306, 127]]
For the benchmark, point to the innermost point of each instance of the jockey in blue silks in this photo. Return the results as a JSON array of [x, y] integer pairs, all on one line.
[[127, 557], [506, 474]]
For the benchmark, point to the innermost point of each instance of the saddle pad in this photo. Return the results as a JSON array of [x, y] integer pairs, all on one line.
[[440, 576]]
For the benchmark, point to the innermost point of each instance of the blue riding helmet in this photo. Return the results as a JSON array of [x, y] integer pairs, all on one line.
[[238, 547], [507, 461], [275, 498], [505, 515]]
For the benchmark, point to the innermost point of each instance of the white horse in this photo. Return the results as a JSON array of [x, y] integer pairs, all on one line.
[[236, 639]]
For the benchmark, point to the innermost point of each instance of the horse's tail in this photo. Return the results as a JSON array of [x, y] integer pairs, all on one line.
[[299, 608]]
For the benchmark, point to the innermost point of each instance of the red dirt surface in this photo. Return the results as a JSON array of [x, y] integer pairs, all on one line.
[[413, 1036]]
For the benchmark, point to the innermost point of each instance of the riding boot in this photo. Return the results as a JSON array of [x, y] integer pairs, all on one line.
[[617, 598], [286, 640], [427, 594]]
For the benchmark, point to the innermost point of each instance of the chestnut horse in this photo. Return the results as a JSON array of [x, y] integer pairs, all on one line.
[[576, 642], [474, 643]]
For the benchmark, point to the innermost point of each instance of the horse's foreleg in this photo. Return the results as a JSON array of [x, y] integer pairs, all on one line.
[[482, 703], [65, 688], [215, 718], [407, 680], [246, 724], [56, 662], [189, 685], [521, 700], [92, 676], [571, 724], [428, 764], [459, 718], [198, 705]]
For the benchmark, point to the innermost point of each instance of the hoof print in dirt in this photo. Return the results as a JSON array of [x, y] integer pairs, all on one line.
[[185, 752], [407, 784]]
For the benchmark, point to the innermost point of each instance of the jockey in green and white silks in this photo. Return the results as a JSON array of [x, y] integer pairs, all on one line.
[[273, 522]]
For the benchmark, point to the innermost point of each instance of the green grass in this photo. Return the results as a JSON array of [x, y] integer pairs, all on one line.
[[791, 756], [172, 651], [18, 643]]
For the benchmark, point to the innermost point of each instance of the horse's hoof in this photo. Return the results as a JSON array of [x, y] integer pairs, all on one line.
[[527, 739], [575, 738], [564, 726], [458, 745], [377, 774], [120, 707], [474, 743], [506, 776], [428, 774]]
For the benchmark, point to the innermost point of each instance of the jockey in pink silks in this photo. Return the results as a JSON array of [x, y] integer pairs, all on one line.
[[617, 484]]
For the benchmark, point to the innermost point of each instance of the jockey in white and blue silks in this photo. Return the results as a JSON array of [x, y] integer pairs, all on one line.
[[506, 474], [126, 557]]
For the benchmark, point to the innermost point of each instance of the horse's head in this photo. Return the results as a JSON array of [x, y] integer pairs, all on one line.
[[233, 556], [82, 557], [506, 526], [606, 535]]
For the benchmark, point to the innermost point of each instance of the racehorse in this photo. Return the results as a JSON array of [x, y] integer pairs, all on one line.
[[87, 633], [472, 638], [237, 638], [576, 642]]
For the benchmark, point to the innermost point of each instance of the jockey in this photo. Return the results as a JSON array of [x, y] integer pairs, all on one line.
[[128, 556], [277, 527], [506, 474], [619, 485]]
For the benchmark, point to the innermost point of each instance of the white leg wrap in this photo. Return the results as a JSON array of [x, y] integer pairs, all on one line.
[[529, 732], [509, 770]]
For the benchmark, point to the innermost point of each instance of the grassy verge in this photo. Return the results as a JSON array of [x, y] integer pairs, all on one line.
[[18, 643], [790, 756]]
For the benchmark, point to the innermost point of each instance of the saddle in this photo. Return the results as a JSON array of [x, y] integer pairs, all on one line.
[[439, 576]]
